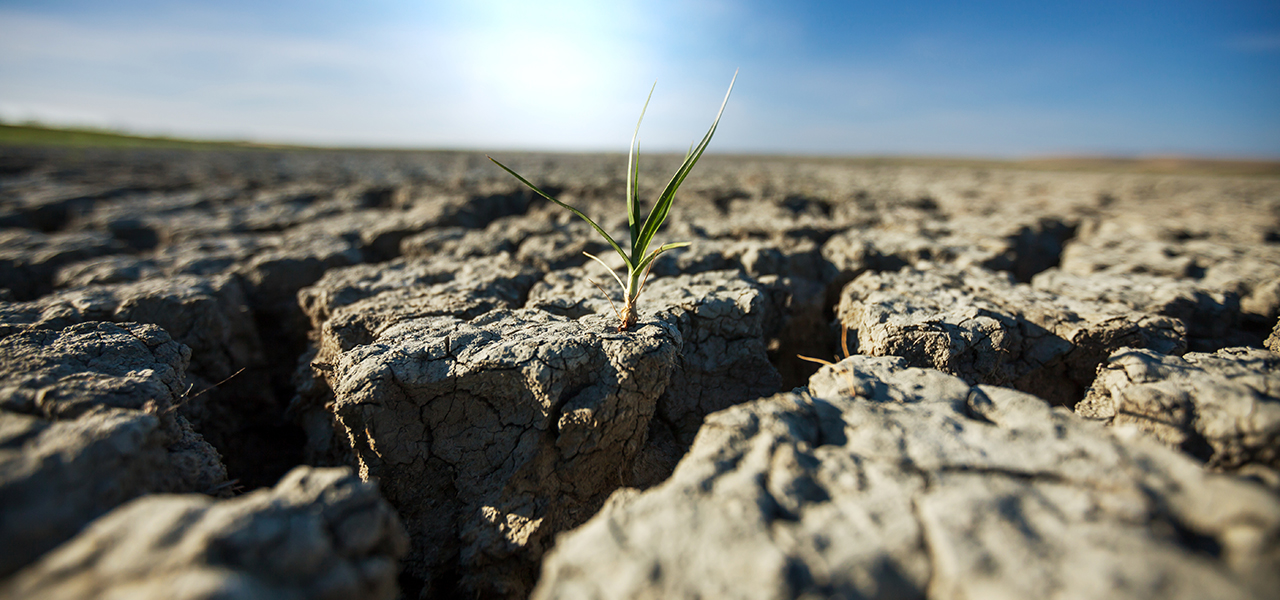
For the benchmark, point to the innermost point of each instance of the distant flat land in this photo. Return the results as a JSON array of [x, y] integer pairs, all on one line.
[[38, 135]]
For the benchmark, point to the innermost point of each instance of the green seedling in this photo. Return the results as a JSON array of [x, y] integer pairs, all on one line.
[[638, 262]]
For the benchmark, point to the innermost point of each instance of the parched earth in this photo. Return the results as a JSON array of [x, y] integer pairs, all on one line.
[[313, 374]]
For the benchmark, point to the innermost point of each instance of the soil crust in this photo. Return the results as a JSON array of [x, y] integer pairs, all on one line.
[[382, 374]]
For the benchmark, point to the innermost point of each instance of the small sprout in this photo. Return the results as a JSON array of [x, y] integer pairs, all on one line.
[[187, 396], [844, 347], [638, 262]]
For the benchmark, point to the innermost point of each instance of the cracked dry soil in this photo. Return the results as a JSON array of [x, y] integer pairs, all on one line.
[[389, 374]]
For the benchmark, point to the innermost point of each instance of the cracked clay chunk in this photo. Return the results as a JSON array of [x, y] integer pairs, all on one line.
[[1020, 244], [1223, 407], [721, 316], [57, 476], [86, 417], [491, 435], [363, 298], [724, 360], [1211, 318], [896, 482], [62, 373], [320, 533], [208, 314], [980, 326], [29, 259], [352, 306]]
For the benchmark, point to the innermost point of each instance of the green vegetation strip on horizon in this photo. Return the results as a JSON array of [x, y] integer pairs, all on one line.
[[43, 136]]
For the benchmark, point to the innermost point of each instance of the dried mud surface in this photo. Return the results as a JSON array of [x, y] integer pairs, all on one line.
[[203, 322]]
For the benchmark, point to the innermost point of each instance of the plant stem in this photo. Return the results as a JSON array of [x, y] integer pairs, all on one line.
[[635, 281]]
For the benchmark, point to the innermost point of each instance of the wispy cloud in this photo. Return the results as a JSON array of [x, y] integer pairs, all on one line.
[[572, 74], [500, 73], [51, 63]]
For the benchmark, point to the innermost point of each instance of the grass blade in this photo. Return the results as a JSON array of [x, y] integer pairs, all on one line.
[[647, 264], [608, 268], [663, 248], [660, 208], [633, 177], [575, 211]]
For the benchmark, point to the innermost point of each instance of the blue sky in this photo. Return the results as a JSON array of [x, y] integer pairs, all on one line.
[[999, 79]]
